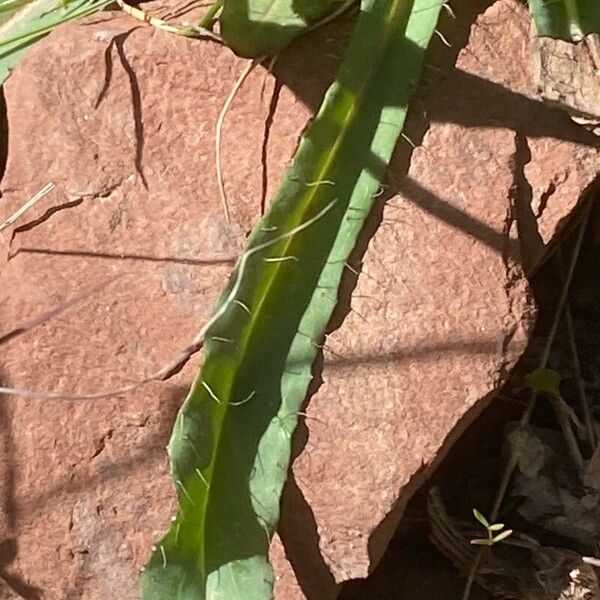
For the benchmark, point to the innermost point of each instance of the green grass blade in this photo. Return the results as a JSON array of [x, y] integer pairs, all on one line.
[[566, 19], [32, 21], [7, 7], [263, 27], [230, 446]]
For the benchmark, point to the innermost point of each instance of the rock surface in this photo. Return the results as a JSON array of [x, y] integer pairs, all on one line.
[[569, 75], [96, 109], [442, 309], [121, 118]]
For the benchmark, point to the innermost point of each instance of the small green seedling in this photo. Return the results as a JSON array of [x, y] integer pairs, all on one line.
[[495, 532]]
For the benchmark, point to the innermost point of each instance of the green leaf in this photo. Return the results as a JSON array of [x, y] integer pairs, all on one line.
[[481, 542], [502, 536], [566, 19], [7, 7], [263, 27], [481, 518], [544, 381], [496, 527], [230, 447], [32, 22]]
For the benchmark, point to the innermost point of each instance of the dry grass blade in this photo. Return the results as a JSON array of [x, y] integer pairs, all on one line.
[[27, 206]]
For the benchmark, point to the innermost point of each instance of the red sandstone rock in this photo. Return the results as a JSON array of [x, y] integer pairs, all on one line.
[[441, 310]]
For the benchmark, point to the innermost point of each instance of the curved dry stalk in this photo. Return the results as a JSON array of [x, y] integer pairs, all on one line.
[[173, 367], [218, 133], [185, 31]]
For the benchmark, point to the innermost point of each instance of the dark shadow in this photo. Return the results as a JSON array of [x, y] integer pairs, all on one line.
[[8, 553], [136, 97], [9, 547], [297, 70], [431, 203], [297, 527], [468, 467], [243, 30], [521, 197], [311, 571], [459, 97], [136, 101], [472, 101], [475, 346], [412, 568], [106, 19], [44, 217], [181, 260], [3, 133], [385, 531], [108, 70], [265, 144], [55, 209]]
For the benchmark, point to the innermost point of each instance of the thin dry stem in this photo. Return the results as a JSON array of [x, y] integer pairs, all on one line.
[[512, 461], [27, 206], [561, 410], [185, 31], [472, 573], [219, 130], [544, 361], [585, 406], [179, 362]]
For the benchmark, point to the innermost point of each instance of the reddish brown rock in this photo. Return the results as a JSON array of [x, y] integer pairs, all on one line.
[[442, 309], [440, 312], [96, 109], [568, 75]]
